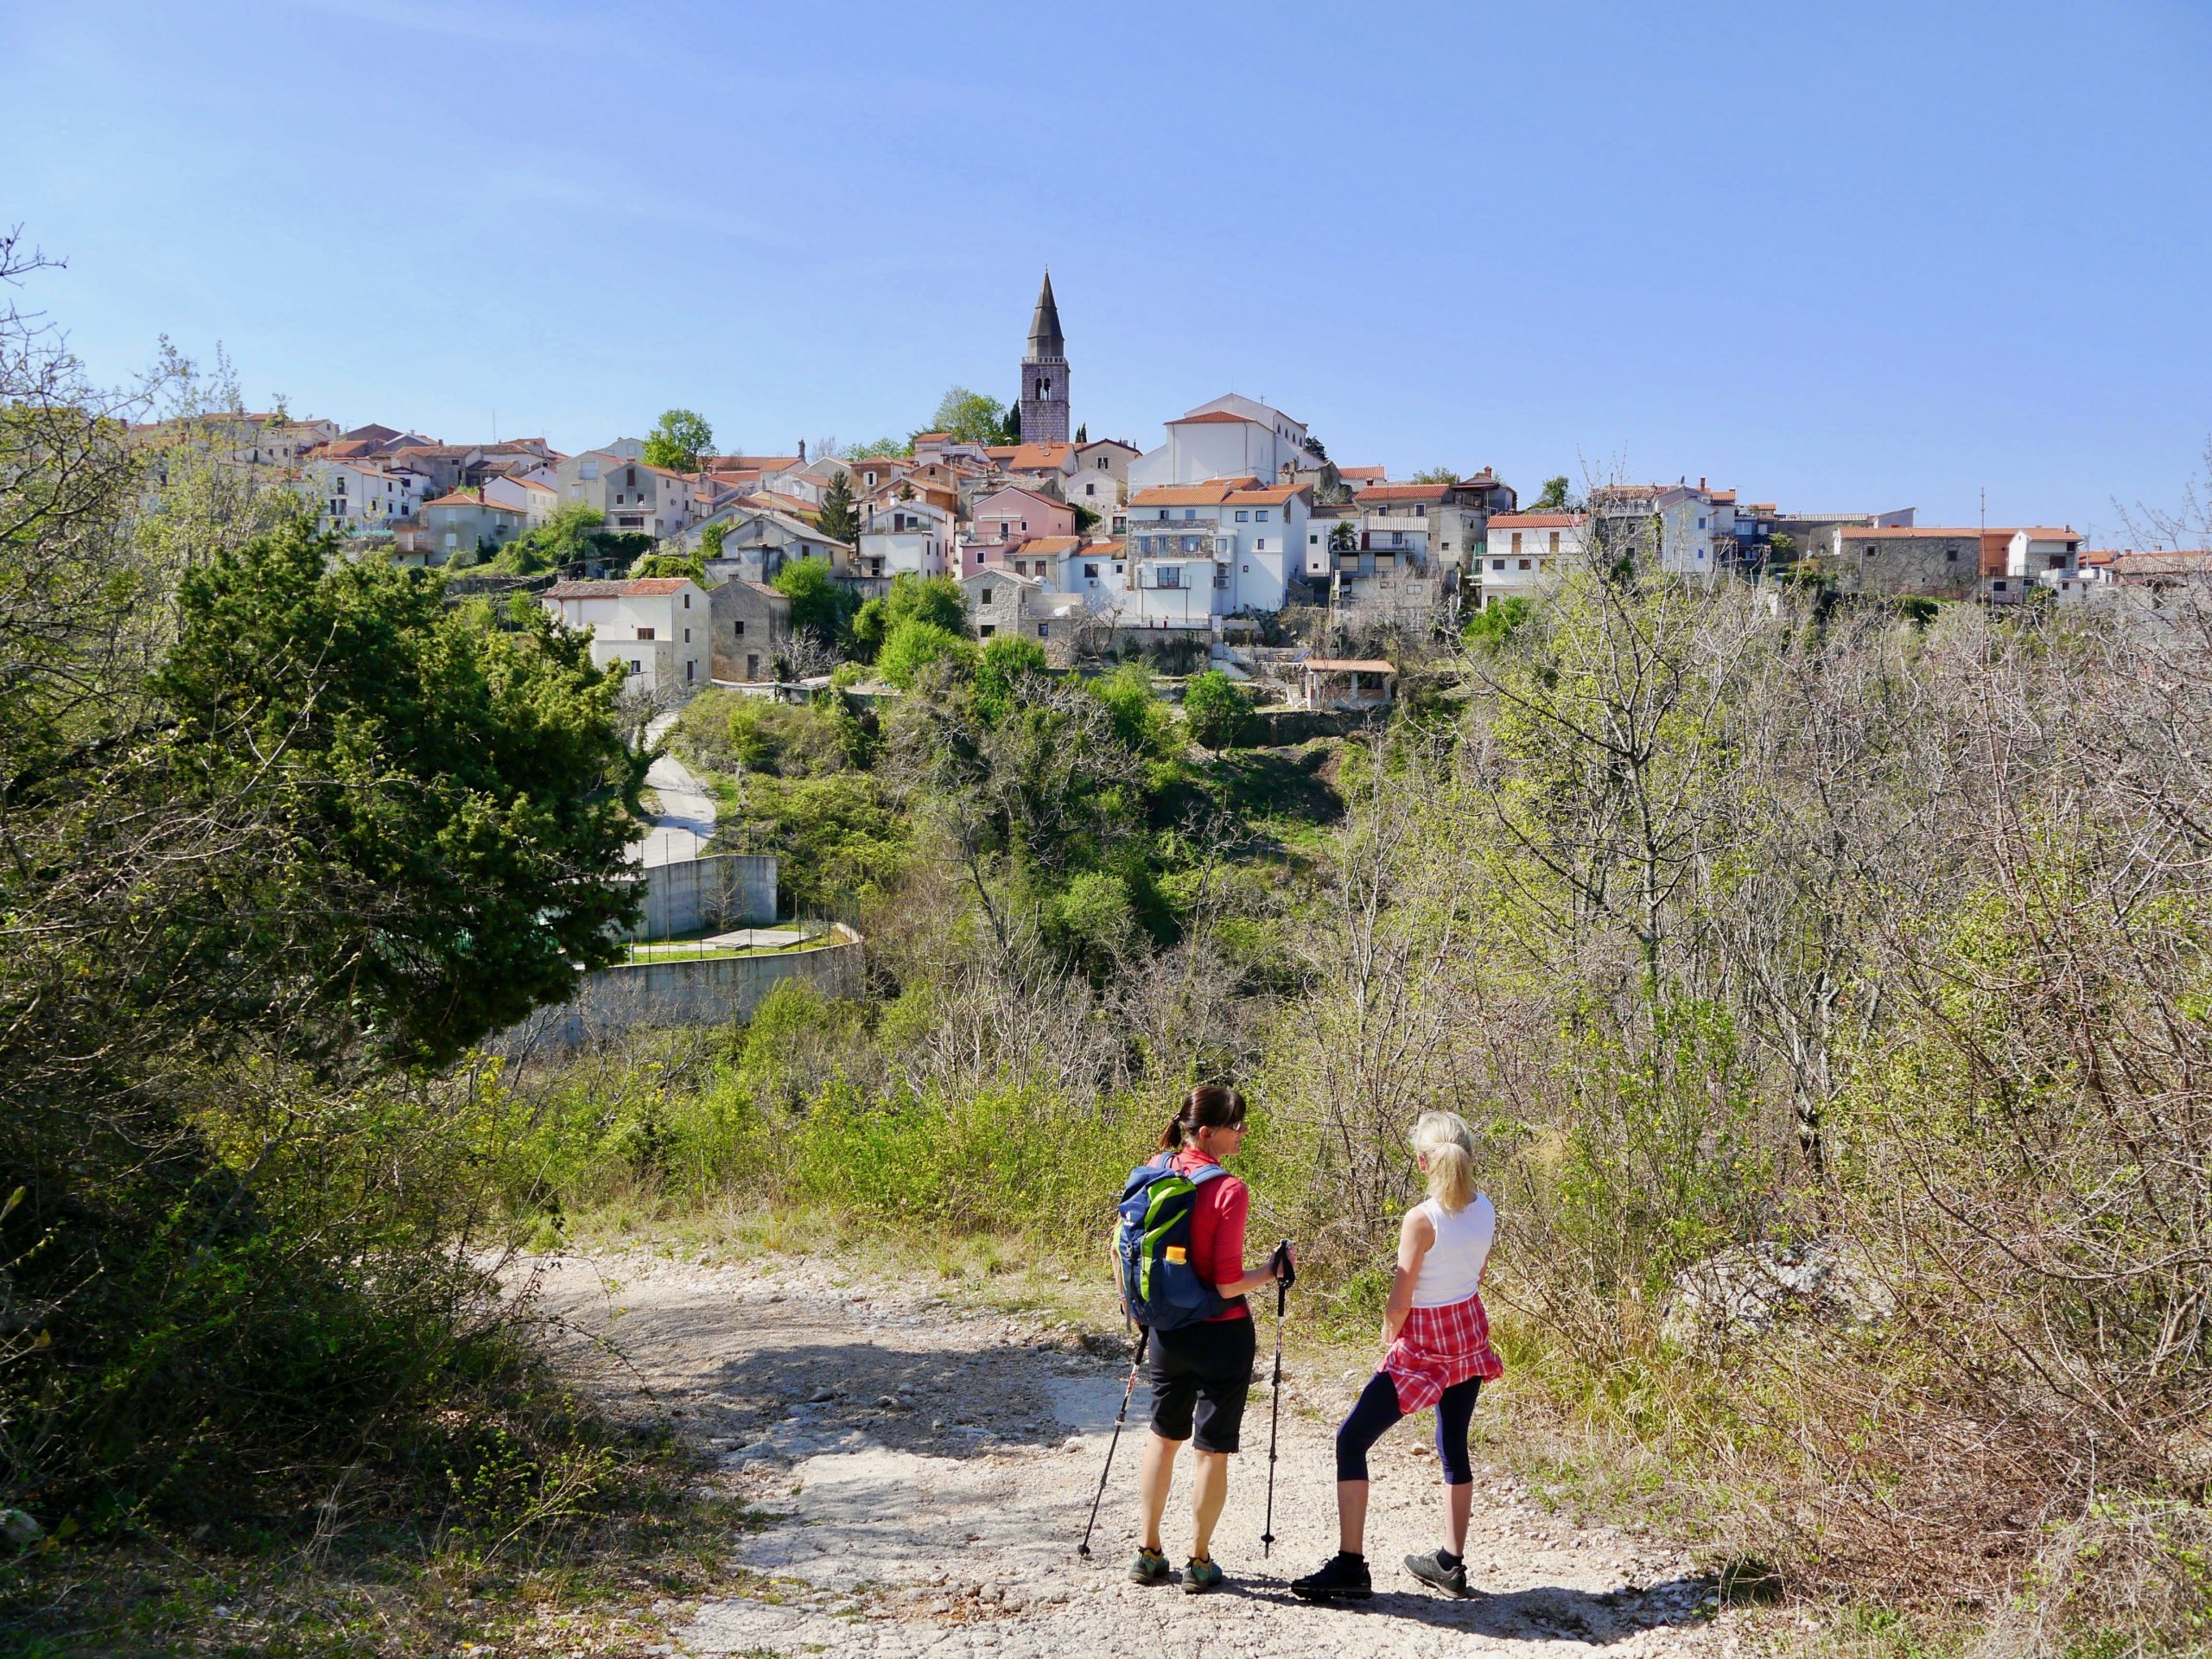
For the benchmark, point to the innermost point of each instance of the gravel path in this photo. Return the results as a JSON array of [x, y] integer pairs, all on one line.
[[925, 1473]]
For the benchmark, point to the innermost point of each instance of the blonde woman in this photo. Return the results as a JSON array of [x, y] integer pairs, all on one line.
[[1436, 1351]]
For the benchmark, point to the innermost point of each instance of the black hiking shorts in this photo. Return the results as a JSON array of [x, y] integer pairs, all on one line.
[[1200, 1374]]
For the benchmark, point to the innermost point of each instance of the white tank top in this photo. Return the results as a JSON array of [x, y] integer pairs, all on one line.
[[1452, 1269]]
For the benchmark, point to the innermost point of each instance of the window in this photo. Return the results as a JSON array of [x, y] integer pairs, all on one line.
[[1524, 564], [1091, 572], [645, 633], [752, 664], [1313, 540], [1498, 564], [686, 636], [1163, 513], [740, 627], [1951, 555], [1260, 516], [637, 667], [2058, 560], [1554, 547], [1044, 630], [1870, 552], [1516, 544], [1101, 463], [1261, 546], [1242, 517], [1419, 511], [987, 629], [987, 592], [687, 605], [1189, 513], [1117, 568], [1172, 576], [1090, 489], [1998, 586], [689, 666], [1701, 523], [631, 479]]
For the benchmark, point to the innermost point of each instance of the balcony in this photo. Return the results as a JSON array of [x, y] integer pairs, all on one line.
[[1169, 540]]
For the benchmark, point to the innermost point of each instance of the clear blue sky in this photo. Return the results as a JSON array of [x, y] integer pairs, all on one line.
[[1838, 257]]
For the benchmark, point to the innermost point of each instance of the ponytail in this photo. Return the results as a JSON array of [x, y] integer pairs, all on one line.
[[1209, 1106], [1445, 1141]]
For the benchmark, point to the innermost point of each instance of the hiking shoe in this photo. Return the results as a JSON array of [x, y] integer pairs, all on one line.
[[1198, 1576], [1342, 1578], [1430, 1570], [1149, 1567]]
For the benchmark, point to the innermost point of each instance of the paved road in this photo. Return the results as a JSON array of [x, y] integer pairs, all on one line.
[[686, 821]]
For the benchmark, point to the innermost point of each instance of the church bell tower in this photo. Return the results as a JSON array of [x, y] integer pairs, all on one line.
[[1044, 400]]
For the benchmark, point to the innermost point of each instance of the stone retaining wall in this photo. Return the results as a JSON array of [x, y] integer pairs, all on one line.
[[713, 991]]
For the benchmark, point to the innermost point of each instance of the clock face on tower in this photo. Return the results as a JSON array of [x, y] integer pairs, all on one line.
[[1044, 399]]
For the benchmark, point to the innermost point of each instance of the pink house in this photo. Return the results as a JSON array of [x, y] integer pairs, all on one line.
[[1004, 519]]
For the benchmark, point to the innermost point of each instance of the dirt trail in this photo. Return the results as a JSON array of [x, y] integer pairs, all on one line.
[[927, 1471]]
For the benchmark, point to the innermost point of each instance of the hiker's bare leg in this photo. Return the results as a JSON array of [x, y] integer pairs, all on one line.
[[1460, 1502], [1209, 1492], [1351, 1516], [1157, 1475]]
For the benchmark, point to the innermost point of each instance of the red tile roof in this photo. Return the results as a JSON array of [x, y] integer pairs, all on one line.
[[1220, 492], [655, 586], [1217, 417], [1404, 492], [469, 498], [1362, 474], [1535, 520], [1047, 544], [1349, 664]]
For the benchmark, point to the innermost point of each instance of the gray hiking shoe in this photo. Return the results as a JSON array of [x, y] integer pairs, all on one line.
[[1430, 1570], [1198, 1576], [1149, 1567]]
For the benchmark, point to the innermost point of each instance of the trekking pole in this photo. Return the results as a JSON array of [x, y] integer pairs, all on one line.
[[1144, 1336], [1274, 1405]]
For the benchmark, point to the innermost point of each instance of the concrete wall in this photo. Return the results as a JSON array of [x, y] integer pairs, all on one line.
[[718, 991], [725, 891]]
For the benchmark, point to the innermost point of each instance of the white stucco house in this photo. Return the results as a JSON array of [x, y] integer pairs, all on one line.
[[1528, 553], [1199, 553], [657, 627], [905, 538], [1229, 437]]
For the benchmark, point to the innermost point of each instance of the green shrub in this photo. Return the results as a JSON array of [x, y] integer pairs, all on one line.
[[1217, 710]]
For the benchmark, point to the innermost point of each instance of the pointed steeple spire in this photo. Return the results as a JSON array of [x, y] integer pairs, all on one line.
[[1045, 338]]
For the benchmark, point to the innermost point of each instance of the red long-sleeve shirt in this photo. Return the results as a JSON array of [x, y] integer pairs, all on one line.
[[1218, 1218]]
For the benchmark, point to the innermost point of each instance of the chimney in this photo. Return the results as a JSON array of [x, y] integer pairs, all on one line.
[[1701, 480], [802, 451]]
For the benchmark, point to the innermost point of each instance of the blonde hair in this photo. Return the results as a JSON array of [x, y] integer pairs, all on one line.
[[1445, 1141]]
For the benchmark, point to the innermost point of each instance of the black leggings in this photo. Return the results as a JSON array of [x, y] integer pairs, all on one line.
[[1378, 1409]]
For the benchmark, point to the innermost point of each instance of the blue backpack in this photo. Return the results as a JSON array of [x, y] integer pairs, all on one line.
[[1152, 1247]]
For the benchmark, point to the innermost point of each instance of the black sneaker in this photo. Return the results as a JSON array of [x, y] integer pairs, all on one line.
[[1149, 1567], [1342, 1578], [1430, 1570]]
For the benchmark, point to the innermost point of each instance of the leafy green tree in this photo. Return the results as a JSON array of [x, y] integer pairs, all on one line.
[[1436, 475], [678, 438], [1498, 621], [1009, 664], [1086, 520], [837, 517], [1217, 710], [566, 538], [710, 541], [934, 599], [912, 645], [454, 796], [1344, 536], [1142, 721], [818, 602], [693, 565], [1083, 432], [1554, 498], [970, 417]]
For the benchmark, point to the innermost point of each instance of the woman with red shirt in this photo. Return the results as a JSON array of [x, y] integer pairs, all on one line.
[[1201, 1373]]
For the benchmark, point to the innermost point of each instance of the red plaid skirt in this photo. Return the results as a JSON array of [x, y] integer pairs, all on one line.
[[1438, 1346]]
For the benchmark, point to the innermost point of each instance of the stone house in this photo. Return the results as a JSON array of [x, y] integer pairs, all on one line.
[[750, 625], [656, 627], [464, 524]]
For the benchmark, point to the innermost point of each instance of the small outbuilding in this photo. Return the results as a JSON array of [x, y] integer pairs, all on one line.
[[1352, 686]]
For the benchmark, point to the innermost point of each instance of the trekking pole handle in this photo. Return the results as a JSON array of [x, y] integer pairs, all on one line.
[[1286, 1269]]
